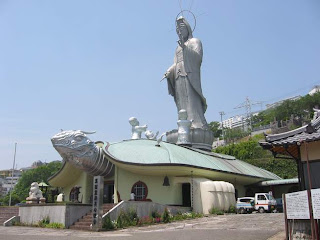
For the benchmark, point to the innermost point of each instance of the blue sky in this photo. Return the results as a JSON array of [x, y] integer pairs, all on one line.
[[91, 65]]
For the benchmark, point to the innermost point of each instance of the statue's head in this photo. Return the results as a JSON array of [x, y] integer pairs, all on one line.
[[34, 185], [183, 28], [134, 121], [74, 146]]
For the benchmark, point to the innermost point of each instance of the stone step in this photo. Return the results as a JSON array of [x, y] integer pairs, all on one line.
[[84, 220], [8, 211], [82, 224], [88, 216]]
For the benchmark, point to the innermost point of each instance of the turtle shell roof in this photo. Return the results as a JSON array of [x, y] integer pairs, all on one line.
[[145, 152]]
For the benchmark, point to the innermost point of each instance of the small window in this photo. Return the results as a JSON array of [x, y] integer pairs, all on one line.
[[261, 197], [140, 190]]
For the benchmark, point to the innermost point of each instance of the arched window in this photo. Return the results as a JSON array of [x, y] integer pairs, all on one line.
[[140, 190]]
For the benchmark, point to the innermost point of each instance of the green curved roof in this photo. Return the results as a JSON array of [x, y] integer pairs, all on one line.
[[145, 152]]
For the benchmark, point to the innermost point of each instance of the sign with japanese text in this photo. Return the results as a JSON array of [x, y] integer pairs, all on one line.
[[297, 206], [315, 198], [97, 200]]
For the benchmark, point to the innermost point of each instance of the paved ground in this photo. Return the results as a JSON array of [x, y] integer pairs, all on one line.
[[226, 227]]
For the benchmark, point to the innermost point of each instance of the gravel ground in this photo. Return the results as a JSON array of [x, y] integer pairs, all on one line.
[[224, 227]]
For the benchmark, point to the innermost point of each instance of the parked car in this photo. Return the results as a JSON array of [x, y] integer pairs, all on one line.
[[20, 204], [261, 202], [245, 205], [279, 206]]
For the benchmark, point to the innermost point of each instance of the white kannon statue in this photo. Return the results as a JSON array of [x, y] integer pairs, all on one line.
[[184, 82]]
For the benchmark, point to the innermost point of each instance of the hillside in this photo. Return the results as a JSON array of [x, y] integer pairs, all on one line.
[[301, 110], [251, 152]]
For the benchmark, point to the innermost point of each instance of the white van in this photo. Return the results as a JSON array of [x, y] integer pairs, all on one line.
[[264, 202]]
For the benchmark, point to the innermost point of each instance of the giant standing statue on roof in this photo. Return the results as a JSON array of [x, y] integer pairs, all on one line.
[[184, 82]]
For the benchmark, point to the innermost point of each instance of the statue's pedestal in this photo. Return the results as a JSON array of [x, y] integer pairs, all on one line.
[[33, 200], [199, 138]]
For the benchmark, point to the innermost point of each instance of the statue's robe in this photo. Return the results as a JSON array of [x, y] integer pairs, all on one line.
[[184, 82]]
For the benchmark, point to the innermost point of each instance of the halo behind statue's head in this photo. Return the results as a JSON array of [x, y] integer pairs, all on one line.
[[186, 19]]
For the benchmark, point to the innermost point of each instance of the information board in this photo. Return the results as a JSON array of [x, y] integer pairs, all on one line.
[[315, 198], [297, 206]]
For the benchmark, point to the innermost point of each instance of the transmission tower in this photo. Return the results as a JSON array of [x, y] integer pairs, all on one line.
[[247, 105]]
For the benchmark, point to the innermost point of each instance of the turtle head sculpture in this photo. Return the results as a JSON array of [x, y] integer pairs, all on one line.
[[76, 148]]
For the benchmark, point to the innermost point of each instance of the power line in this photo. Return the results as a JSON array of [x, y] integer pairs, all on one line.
[[247, 105]]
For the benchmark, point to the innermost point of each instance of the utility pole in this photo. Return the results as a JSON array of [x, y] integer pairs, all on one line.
[[14, 162], [221, 114]]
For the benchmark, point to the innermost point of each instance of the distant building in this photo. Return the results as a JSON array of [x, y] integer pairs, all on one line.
[[314, 90], [278, 103], [234, 122], [7, 180], [238, 121]]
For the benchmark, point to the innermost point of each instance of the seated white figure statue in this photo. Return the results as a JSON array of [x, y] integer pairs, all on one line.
[[136, 129]]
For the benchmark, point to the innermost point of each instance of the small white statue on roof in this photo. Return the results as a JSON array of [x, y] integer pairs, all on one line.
[[150, 135], [136, 129]]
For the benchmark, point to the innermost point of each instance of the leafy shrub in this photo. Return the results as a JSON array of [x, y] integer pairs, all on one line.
[[178, 217], [55, 225], [145, 220], [44, 222], [133, 217], [155, 214], [196, 215], [232, 209], [108, 224], [166, 216], [216, 211], [127, 219]]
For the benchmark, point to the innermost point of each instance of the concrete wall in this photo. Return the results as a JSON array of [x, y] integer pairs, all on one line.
[[65, 214], [171, 195], [143, 209], [206, 193]]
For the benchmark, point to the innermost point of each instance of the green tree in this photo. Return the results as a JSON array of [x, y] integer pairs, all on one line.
[[215, 128], [14, 199], [38, 174], [234, 134], [251, 152]]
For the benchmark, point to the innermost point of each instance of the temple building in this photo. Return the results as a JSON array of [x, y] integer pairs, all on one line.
[[163, 173]]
